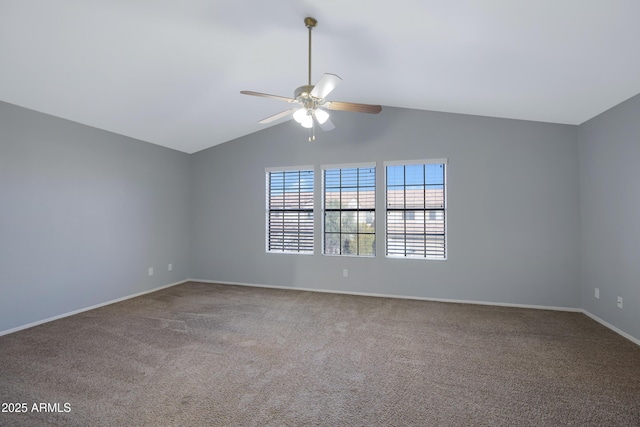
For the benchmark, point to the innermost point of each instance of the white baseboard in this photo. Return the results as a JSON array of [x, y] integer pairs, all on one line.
[[613, 328], [370, 294], [71, 313], [500, 304]]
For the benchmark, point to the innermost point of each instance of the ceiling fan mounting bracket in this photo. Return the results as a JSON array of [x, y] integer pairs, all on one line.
[[310, 22]]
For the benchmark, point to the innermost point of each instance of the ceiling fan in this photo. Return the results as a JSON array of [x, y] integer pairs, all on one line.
[[312, 101]]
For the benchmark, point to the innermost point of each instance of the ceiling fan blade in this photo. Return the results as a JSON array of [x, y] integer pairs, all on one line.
[[327, 125], [327, 83], [352, 106], [266, 95], [278, 116]]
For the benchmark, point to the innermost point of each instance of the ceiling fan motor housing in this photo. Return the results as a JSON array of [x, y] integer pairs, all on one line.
[[303, 96]]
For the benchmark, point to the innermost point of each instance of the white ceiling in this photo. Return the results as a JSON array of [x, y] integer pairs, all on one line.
[[169, 72]]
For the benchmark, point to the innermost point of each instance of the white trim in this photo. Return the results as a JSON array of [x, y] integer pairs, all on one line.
[[415, 162], [323, 169], [350, 255], [288, 168], [419, 258], [378, 295], [329, 291], [446, 206], [81, 310], [613, 328], [268, 252], [447, 300], [267, 191], [349, 166]]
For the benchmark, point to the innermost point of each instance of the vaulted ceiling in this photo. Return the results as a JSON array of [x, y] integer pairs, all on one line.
[[170, 72]]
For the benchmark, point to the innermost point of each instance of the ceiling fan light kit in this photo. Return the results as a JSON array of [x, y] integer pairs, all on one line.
[[311, 98]]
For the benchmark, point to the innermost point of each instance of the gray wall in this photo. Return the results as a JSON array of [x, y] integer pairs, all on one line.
[[513, 208], [539, 214], [610, 215], [83, 214]]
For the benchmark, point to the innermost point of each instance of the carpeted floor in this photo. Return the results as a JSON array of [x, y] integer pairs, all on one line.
[[202, 354]]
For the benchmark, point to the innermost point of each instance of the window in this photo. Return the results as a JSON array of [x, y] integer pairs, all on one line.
[[290, 210], [416, 209], [349, 210]]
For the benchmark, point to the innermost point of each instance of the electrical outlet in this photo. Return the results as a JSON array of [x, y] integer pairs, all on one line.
[[619, 302], [150, 271], [597, 293], [345, 273], [170, 267]]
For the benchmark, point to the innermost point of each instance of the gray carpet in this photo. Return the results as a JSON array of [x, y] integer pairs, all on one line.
[[202, 354]]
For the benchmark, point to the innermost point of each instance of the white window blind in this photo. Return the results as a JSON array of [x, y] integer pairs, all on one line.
[[290, 211], [349, 210], [416, 210]]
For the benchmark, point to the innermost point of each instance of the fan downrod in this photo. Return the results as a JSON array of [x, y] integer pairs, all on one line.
[[310, 23]]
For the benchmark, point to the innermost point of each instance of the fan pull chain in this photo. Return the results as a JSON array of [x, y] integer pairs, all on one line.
[[312, 134]]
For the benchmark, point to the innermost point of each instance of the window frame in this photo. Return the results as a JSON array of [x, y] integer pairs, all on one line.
[[268, 210], [445, 209], [323, 169]]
